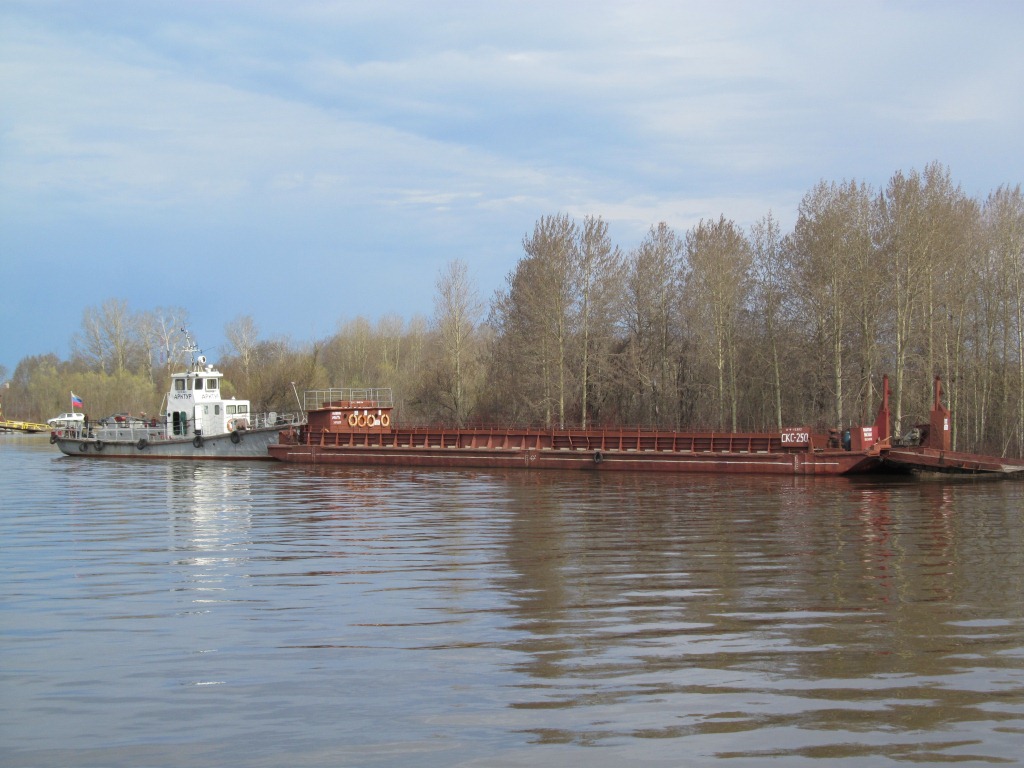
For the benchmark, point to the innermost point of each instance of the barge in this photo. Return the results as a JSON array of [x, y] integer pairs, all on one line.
[[355, 427], [928, 448]]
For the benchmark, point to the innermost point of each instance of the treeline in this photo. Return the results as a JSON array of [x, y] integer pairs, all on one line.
[[718, 327]]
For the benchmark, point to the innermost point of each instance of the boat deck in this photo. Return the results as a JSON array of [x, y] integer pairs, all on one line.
[[923, 459]]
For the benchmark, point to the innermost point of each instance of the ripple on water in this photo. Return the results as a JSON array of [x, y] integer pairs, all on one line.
[[258, 614]]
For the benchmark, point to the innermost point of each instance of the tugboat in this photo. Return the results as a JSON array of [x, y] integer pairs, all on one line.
[[198, 423]]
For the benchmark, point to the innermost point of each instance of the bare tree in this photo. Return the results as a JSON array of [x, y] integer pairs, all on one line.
[[719, 287], [243, 336], [109, 339], [532, 321], [598, 274], [829, 241], [769, 270], [457, 313], [866, 298], [390, 330], [1004, 221], [904, 245], [161, 336], [654, 342]]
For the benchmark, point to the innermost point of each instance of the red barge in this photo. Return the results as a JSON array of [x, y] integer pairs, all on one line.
[[355, 427]]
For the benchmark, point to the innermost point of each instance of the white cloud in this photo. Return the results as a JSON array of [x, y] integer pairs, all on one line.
[[108, 131], [445, 129]]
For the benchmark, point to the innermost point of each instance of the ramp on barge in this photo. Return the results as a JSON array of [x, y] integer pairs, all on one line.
[[922, 459], [7, 425], [932, 451]]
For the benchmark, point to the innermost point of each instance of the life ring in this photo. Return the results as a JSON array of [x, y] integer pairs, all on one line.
[[83, 447], [197, 441], [352, 419], [98, 445], [236, 438], [231, 425], [362, 419], [142, 443], [598, 457], [385, 420]]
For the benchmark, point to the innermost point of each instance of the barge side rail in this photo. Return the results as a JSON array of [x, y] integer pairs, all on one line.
[[365, 397], [543, 439]]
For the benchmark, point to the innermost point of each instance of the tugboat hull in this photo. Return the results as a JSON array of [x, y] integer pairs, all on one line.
[[244, 444]]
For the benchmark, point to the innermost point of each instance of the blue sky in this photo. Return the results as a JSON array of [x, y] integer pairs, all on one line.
[[306, 163]]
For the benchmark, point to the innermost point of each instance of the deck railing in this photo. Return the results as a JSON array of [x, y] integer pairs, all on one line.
[[540, 439], [376, 397], [157, 430]]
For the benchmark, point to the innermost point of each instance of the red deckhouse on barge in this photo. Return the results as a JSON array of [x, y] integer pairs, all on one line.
[[355, 427]]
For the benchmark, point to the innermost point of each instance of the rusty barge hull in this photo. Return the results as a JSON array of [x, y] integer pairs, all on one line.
[[354, 427], [603, 451], [919, 459]]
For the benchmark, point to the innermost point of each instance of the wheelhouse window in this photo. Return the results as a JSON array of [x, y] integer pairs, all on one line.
[[211, 384], [179, 385], [199, 384]]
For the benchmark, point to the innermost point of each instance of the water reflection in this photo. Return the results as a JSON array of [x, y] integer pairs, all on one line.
[[788, 610], [253, 614], [210, 504]]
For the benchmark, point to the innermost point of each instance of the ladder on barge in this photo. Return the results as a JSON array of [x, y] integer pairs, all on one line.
[[22, 426], [15, 425]]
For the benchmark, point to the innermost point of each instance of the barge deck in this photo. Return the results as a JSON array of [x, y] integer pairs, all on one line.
[[354, 427]]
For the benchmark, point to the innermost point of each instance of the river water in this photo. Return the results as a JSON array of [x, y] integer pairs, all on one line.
[[255, 614]]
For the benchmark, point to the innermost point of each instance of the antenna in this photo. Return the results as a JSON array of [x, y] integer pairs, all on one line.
[[190, 347]]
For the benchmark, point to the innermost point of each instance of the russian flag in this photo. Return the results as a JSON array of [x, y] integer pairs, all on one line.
[[76, 401]]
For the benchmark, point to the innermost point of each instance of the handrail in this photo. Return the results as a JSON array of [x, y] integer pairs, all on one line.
[[135, 430], [375, 397]]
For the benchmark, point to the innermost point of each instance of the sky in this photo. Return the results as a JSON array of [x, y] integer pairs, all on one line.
[[309, 162]]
